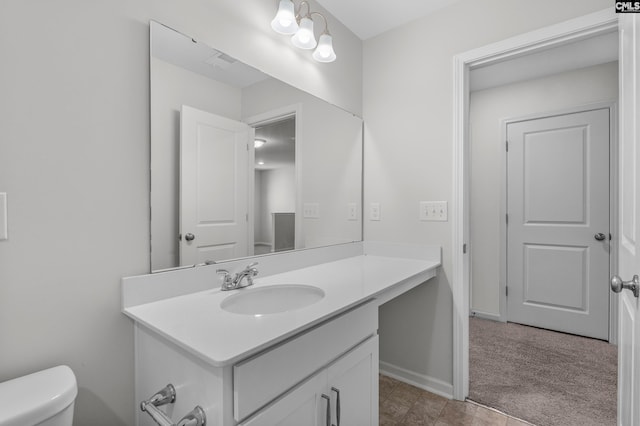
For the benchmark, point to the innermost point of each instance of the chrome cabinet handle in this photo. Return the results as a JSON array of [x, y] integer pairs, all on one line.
[[189, 237], [337, 391], [634, 285], [600, 236], [328, 420]]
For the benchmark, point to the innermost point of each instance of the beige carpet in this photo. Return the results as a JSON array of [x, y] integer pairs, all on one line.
[[543, 377]]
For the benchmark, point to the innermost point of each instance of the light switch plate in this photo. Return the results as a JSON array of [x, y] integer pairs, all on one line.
[[374, 211], [433, 211], [311, 210], [4, 232], [352, 211]]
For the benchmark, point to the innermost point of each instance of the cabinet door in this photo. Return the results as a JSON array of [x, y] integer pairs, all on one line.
[[303, 405], [353, 385]]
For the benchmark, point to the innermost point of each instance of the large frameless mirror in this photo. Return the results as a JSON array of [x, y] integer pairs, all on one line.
[[244, 164]]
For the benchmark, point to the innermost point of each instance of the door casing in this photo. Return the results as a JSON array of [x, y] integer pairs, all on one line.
[[576, 29]]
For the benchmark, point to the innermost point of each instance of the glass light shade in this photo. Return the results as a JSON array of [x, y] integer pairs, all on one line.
[[257, 143], [285, 20], [324, 52], [304, 37]]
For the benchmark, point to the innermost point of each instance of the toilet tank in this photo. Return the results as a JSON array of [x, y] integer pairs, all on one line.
[[43, 398]]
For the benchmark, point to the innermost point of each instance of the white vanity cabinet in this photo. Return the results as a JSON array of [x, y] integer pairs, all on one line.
[[346, 392], [294, 382], [283, 368]]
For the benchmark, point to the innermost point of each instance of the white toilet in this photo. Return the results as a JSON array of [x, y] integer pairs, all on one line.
[[45, 398]]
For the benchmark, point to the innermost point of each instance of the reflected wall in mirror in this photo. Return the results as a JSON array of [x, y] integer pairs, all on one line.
[[215, 195]]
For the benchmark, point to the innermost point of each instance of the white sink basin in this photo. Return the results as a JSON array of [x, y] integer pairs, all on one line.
[[272, 299]]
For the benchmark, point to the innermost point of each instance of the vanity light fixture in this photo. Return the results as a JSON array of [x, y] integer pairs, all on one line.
[[290, 21], [257, 143]]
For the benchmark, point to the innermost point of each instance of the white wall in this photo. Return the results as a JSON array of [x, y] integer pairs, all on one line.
[[329, 153], [74, 160], [173, 87], [487, 110], [408, 91]]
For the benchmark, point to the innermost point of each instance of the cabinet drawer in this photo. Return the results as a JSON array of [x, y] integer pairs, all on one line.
[[264, 377]]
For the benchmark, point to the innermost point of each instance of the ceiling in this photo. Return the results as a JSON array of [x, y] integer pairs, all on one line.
[[369, 18], [279, 151], [183, 51]]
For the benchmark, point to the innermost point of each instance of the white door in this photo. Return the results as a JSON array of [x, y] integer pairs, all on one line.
[[629, 223], [558, 223], [214, 163]]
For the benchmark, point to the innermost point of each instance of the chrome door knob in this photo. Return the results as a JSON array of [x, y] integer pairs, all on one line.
[[599, 236], [189, 237], [617, 285]]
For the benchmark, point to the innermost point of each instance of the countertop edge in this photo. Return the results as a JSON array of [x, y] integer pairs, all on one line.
[[380, 297]]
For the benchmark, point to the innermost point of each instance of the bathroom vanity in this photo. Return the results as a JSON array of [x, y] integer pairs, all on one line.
[[298, 347]]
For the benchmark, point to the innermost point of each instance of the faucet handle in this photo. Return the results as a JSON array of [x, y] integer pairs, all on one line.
[[251, 265], [227, 281], [226, 276]]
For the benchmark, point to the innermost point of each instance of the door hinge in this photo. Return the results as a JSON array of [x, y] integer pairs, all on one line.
[[246, 217], [506, 146], [506, 290], [464, 249], [506, 218]]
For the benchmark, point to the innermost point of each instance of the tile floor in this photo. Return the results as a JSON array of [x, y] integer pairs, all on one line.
[[403, 404]]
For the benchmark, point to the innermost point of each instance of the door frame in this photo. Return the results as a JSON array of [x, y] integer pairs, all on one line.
[[572, 30], [611, 105], [272, 116]]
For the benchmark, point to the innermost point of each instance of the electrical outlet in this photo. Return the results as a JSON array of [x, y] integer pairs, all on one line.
[[374, 211], [311, 210], [352, 211]]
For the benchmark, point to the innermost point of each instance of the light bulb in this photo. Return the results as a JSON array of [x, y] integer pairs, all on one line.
[[324, 52], [304, 37], [285, 20]]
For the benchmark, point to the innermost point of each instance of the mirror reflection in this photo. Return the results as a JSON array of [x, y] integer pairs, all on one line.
[[242, 163]]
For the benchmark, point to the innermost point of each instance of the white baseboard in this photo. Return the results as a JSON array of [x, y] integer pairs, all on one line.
[[486, 315], [421, 381]]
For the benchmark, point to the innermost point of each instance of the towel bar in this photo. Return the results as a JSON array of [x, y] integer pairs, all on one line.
[[167, 395]]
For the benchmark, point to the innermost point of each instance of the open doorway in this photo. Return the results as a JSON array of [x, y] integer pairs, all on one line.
[[275, 186], [557, 168], [542, 195], [529, 44]]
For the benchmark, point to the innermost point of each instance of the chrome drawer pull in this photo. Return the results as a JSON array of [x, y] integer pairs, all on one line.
[[328, 420], [337, 391]]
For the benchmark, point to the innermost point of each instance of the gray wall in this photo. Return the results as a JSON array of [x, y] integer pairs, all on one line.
[[487, 109], [408, 92], [74, 160]]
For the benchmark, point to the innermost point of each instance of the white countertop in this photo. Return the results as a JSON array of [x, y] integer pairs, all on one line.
[[196, 323]]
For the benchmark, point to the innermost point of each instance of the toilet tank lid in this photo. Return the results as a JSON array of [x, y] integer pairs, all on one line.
[[36, 397]]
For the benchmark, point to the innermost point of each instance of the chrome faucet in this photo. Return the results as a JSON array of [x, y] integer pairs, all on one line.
[[235, 282]]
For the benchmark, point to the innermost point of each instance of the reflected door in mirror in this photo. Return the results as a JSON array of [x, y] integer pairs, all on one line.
[[213, 186]]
